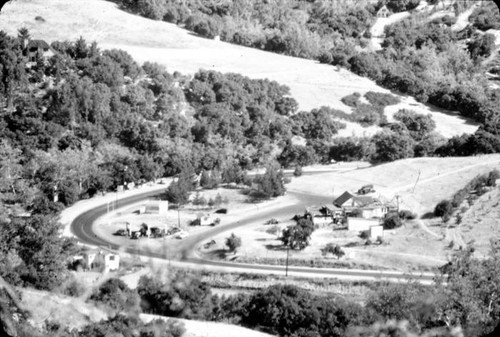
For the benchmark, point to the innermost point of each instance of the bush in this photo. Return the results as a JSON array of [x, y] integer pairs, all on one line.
[[233, 242], [74, 288], [351, 100], [392, 222], [333, 249], [117, 295], [443, 209], [381, 99]]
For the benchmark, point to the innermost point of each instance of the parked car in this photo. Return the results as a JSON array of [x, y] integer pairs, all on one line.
[[221, 211], [181, 235], [121, 232], [209, 244], [366, 189], [157, 232], [173, 230]]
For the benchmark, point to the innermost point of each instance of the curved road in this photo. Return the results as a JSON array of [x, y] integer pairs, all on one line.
[[81, 227]]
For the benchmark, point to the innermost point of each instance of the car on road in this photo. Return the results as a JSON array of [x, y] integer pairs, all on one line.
[[272, 221], [121, 232]]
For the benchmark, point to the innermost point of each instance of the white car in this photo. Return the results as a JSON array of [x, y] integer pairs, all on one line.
[[181, 235]]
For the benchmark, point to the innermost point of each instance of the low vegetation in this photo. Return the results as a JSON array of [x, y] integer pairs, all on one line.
[[477, 186]]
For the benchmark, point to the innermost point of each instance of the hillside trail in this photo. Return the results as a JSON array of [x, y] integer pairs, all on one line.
[[422, 224], [439, 176]]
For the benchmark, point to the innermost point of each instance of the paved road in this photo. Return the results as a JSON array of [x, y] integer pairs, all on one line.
[[81, 227]]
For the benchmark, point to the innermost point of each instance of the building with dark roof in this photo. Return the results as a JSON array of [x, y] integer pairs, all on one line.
[[35, 49]]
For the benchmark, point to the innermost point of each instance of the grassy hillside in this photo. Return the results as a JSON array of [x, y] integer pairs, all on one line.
[[434, 179], [312, 84]]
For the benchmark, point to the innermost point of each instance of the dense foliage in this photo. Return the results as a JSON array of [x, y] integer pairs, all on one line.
[[421, 58]]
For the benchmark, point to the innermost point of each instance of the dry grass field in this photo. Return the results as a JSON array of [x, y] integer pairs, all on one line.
[[480, 222], [420, 182], [312, 84]]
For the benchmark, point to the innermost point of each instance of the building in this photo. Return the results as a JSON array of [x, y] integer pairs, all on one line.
[[361, 206], [35, 49], [361, 224], [101, 259], [383, 12]]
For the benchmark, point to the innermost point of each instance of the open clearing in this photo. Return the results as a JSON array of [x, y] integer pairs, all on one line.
[[419, 245], [312, 84]]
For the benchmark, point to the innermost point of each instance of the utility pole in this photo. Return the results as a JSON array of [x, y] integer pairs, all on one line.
[[179, 215], [416, 182], [397, 200], [286, 266]]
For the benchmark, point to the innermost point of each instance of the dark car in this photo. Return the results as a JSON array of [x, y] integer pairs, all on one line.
[[366, 189], [120, 232]]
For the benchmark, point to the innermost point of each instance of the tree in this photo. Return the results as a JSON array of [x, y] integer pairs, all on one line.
[[472, 291], [178, 190], [297, 236], [233, 242], [391, 222], [391, 146], [481, 45], [443, 209], [271, 184], [418, 125]]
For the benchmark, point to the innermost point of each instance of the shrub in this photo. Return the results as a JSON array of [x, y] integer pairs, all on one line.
[[117, 295], [298, 171], [351, 100], [493, 176], [407, 215], [381, 99], [74, 288], [333, 249]]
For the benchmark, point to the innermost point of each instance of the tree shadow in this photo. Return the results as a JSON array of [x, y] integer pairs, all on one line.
[[428, 215], [217, 254], [278, 248]]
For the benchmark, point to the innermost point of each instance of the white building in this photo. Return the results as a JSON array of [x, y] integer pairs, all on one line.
[[360, 224]]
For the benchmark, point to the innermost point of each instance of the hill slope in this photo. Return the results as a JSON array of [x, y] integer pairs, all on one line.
[[312, 84]]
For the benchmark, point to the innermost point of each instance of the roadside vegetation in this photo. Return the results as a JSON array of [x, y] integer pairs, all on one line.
[[461, 298]]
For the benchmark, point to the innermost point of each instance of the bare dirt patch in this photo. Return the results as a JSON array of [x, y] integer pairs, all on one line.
[[312, 84]]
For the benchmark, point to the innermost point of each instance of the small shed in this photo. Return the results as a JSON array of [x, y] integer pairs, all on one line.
[[376, 232], [99, 258]]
